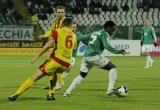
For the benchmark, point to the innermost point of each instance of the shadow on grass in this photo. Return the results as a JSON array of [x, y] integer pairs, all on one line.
[[22, 100]]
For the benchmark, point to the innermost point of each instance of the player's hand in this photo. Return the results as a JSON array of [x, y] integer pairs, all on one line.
[[141, 43], [34, 59], [123, 52], [41, 36], [126, 53], [155, 44]]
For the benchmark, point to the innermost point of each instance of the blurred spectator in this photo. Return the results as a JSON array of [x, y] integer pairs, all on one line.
[[139, 4], [94, 7], [99, 5], [18, 17], [110, 7], [115, 7], [105, 7], [42, 16], [125, 7], [146, 8], [8, 13], [35, 21]]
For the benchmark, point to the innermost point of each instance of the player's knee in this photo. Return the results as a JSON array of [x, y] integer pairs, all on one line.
[[83, 74], [109, 66]]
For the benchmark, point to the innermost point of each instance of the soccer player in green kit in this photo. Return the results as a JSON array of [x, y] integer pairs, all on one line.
[[148, 41], [93, 57]]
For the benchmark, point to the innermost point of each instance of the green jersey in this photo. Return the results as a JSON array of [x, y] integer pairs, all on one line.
[[80, 38], [100, 40], [148, 35]]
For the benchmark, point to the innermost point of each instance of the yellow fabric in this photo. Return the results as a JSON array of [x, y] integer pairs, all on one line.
[[52, 83], [51, 91], [59, 78], [52, 67], [50, 77], [27, 84], [55, 25], [66, 43]]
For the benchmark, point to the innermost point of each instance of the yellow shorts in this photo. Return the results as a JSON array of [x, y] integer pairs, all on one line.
[[54, 65]]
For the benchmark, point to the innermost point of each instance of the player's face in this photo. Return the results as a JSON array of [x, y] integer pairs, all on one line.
[[60, 13], [146, 22], [112, 30], [74, 27]]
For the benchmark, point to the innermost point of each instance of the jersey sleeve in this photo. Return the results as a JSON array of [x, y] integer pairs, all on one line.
[[153, 34], [107, 45], [83, 38]]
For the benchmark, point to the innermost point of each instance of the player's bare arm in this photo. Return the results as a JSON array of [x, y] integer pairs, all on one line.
[[48, 45], [41, 36]]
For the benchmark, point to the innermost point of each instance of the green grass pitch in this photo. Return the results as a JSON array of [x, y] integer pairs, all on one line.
[[143, 85]]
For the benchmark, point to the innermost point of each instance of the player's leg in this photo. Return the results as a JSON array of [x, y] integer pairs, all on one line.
[[50, 95], [60, 77], [146, 53], [151, 47], [65, 74], [102, 62], [85, 67], [53, 68], [27, 84], [112, 77], [148, 60], [77, 80], [60, 81]]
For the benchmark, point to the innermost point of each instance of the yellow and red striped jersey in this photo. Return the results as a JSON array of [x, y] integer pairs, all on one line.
[[57, 23], [65, 42]]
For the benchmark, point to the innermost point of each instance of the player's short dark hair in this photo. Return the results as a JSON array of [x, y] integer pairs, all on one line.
[[67, 21], [60, 7], [109, 24]]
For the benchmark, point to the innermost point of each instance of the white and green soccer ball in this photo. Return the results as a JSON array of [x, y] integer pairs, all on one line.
[[122, 91]]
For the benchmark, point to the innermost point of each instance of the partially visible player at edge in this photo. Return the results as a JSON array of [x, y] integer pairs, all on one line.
[[64, 40], [93, 57], [148, 41], [57, 23], [80, 38]]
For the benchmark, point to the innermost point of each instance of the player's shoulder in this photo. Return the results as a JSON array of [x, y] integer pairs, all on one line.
[[143, 27], [98, 33], [66, 29], [78, 34], [74, 35], [55, 31], [63, 18], [151, 27], [55, 20]]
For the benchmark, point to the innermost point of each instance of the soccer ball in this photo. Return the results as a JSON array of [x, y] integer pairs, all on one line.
[[122, 91]]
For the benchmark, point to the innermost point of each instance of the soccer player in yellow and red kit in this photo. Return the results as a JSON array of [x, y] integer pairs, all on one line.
[[64, 40], [57, 23]]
